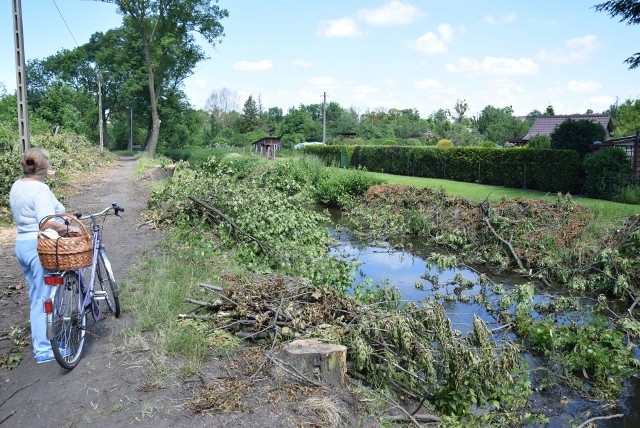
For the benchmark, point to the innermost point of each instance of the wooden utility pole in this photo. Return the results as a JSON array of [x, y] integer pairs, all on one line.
[[324, 118], [100, 112], [130, 147], [636, 146], [21, 79]]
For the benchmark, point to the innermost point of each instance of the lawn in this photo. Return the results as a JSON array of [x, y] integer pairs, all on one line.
[[604, 210]]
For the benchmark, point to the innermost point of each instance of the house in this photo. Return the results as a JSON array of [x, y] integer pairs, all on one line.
[[545, 125], [267, 146]]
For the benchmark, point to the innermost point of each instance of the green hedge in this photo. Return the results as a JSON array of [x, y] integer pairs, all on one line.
[[546, 170]]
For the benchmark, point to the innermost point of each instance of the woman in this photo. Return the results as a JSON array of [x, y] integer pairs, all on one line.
[[31, 200]]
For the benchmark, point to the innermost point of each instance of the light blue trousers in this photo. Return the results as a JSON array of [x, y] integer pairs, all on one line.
[[27, 253]]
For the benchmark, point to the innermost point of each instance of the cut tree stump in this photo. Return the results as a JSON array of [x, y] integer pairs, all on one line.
[[321, 362]]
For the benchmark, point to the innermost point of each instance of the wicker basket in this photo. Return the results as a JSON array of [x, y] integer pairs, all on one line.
[[69, 252]]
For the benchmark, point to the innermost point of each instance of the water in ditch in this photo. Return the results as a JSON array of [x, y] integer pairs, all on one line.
[[407, 270]]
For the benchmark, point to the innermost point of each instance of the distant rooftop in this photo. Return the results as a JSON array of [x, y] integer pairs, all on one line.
[[545, 125]]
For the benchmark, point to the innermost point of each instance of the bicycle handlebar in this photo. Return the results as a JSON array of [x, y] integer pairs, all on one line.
[[114, 206]]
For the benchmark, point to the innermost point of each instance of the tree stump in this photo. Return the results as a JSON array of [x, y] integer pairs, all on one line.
[[321, 362]]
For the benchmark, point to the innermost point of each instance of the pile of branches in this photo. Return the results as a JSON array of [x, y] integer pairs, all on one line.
[[271, 305], [392, 344]]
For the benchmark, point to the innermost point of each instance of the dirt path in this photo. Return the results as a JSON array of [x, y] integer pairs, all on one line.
[[113, 384], [108, 387]]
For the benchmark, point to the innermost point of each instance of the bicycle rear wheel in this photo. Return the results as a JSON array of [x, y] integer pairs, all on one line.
[[68, 323], [107, 282]]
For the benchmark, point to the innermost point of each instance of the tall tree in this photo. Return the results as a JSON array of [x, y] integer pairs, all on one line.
[[250, 120], [499, 124], [165, 30], [461, 108], [626, 10]]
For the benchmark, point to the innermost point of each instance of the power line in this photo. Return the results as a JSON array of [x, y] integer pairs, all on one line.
[[65, 23]]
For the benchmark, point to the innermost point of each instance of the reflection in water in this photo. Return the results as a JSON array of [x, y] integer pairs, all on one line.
[[405, 270]]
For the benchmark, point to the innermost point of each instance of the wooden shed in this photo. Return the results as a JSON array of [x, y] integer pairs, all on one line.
[[267, 146]]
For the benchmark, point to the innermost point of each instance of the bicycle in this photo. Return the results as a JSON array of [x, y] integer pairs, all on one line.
[[72, 299]]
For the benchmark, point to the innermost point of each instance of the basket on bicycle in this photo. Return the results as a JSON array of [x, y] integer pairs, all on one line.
[[64, 252]]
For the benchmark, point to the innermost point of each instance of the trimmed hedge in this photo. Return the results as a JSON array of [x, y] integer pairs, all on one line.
[[546, 170]]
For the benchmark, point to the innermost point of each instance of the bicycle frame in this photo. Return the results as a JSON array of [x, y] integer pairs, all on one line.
[[88, 294]]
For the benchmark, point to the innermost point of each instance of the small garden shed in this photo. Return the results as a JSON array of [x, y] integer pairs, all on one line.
[[267, 146]]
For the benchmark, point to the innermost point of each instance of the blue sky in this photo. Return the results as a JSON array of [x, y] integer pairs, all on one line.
[[373, 55]]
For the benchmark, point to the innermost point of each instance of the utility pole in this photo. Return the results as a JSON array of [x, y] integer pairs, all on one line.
[[130, 148], [21, 79], [636, 146], [324, 118], [100, 112]]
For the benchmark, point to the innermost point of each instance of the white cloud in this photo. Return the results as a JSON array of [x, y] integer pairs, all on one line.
[[601, 103], [495, 66], [583, 85], [577, 49], [511, 17], [364, 89], [433, 86], [253, 65], [302, 63], [393, 13], [505, 88], [432, 43], [323, 82], [490, 19], [342, 27]]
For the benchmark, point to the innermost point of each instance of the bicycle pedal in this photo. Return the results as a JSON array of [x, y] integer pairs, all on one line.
[[99, 295]]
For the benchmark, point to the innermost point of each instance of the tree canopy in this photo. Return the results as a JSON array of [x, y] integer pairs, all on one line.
[[165, 32], [577, 135], [628, 11]]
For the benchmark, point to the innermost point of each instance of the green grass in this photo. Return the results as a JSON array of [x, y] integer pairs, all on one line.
[[156, 295], [603, 210]]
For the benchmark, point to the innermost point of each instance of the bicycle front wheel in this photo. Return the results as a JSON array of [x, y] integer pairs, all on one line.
[[107, 282], [68, 322]]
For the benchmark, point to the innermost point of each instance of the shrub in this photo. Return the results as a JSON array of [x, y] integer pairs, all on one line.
[[488, 144], [444, 144], [628, 195], [608, 172], [539, 141], [577, 135]]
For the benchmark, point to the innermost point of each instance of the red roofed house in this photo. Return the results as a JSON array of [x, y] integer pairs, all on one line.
[[545, 125]]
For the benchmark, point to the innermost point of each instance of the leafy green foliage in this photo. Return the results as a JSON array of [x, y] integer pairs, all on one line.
[[539, 141], [548, 170], [69, 155], [608, 172], [265, 225], [577, 135], [499, 124], [590, 352]]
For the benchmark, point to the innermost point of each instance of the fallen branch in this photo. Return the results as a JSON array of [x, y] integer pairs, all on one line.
[[196, 317], [215, 305], [7, 417], [422, 417], [233, 224], [599, 418], [505, 242], [16, 391]]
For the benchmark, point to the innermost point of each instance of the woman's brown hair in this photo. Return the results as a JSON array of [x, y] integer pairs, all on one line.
[[35, 162]]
